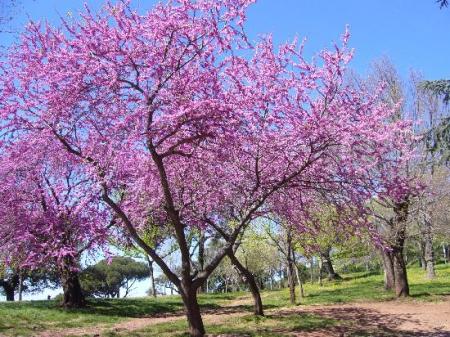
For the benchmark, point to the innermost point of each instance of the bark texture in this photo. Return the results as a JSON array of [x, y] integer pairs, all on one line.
[[290, 268], [388, 266], [428, 251], [249, 278], [9, 285], [192, 310], [152, 276], [398, 244], [327, 265], [73, 296]]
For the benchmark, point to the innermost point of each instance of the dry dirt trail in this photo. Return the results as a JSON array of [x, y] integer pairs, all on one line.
[[392, 318]]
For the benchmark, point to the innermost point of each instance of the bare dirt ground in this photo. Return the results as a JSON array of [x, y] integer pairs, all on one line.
[[393, 318], [380, 319]]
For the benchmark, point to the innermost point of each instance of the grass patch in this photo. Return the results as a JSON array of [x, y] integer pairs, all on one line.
[[30, 318], [279, 325], [364, 287]]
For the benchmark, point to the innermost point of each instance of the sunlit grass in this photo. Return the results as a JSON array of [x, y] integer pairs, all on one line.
[[29, 318]]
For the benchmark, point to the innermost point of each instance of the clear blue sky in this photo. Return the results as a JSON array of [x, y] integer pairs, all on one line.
[[414, 34]]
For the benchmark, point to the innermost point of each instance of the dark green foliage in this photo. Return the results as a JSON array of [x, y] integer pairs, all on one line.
[[106, 279], [442, 3], [437, 139], [439, 88], [33, 281]]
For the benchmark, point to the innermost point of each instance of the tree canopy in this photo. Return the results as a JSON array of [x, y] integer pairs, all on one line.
[[107, 277]]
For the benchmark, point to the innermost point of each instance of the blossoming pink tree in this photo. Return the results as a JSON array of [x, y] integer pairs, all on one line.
[[47, 219], [170, 121]]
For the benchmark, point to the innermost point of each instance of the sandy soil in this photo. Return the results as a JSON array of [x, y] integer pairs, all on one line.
[[382, 319]]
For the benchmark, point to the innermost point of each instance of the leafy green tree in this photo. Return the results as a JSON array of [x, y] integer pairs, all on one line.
[[442, 3], [106, 278]]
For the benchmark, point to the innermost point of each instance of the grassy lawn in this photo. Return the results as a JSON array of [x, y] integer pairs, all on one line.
[[29, 318], [365, 287], [248, 325]]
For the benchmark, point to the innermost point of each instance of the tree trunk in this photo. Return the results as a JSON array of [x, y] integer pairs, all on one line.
[[299, 280], [388, 266], [9, 286], [152, 276], [399, 235], [320, 271], [192, 309], [328, 265], [248, 278], [446, 252], [297, 273], [20, 291], [9, 291], [290, 268], [429, 255], [201, 257], [422, 261], [73, 295], [400, 276]]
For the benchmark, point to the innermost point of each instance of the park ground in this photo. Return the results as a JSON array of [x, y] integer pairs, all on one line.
[[355, 307]]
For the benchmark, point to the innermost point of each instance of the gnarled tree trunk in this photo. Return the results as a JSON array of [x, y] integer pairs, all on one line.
[[328, 265], [251, 282], [73, 296], [398, 243]]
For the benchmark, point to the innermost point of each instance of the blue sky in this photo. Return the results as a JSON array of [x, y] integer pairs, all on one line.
[[414, 34]]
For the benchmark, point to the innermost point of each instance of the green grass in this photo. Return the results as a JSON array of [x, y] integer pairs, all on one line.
[[365, 287], [28, 318], [279, 325]]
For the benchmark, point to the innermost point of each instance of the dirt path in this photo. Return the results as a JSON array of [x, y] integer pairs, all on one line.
[[392, 318]]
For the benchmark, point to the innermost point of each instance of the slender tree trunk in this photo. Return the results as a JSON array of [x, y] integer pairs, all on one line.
[[192, 309], [328, 265], [320, 271], [299, 279], [73, 295], [399, 235], [311, 270], [446, 252], [248, 278], [291, 282], [152, 276], [429, 255], [423, 263], [388, 266], [20, 290], [201, 257], [290, 266]]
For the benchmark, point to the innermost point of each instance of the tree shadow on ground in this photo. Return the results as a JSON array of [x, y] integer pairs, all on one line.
[[361, 322]]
